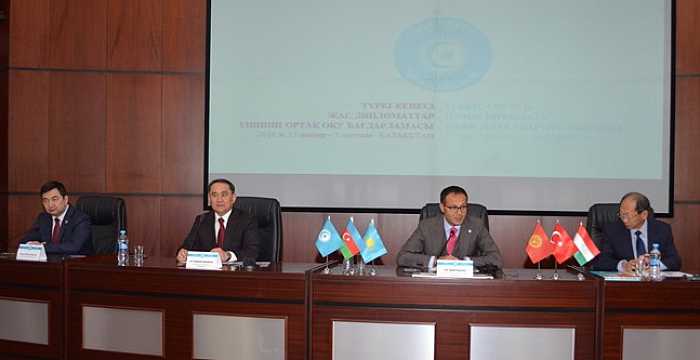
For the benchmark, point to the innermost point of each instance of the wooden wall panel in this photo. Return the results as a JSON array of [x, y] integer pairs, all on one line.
[[77, 130], [29, 21], [687, 153], [23, 210], [134, 37], [686, 235], [176, 218], [687, 37], [184, 35], [143, 225], [133, 133], [28, 128], [183, 134], [78, 33]]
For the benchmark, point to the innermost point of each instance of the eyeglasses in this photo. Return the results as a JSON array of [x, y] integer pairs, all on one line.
[[462, 208], [627, 216]]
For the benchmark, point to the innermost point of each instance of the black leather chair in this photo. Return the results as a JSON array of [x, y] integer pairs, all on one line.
[[108, 216], [269, 217], [598, 216], [477, 211]]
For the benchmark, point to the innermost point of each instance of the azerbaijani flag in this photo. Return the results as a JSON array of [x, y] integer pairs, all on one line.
[[328, 239], [585, 245], [374, 246], [351, 240]]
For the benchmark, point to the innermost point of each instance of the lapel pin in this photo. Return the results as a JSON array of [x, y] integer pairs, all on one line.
[[469, 231]]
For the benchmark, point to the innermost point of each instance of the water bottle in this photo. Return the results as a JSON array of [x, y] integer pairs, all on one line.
[[655, 263], [122, 249]]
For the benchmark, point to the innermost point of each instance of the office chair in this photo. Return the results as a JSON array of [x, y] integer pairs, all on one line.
[[267, 213], [108, 217], [598, 216], [477, 211]]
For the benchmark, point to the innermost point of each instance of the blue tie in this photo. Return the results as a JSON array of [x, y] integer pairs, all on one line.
[[640, 244]]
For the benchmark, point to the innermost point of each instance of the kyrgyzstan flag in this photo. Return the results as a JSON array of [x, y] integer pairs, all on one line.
[[351, 238], [565, 247], [585, 245], [539, 247]]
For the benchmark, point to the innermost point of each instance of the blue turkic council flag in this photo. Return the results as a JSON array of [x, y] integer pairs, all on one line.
[[328, 239], [374, 247]]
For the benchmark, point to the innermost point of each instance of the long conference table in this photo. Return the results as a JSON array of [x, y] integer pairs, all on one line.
[[89, 308]]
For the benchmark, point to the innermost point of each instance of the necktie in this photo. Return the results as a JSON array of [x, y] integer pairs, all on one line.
[[56, 233], [640, 244], [220, 235], [452, 240]]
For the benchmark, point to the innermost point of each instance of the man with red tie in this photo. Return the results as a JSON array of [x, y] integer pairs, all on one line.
[[231, 233], [454, 235], [63, 229]]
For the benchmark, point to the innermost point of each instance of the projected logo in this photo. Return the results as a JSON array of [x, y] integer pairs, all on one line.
[[443, 54]]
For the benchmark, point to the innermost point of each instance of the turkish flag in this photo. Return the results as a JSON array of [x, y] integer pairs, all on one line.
[[564, 246]]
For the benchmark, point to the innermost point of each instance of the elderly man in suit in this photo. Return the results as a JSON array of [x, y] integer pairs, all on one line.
[[450, 236], [630, 238], [62, 228], [231, 233]]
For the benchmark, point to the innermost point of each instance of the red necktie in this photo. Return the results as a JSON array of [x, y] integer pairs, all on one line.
[[452, 240], [56, 233], [220, 235]]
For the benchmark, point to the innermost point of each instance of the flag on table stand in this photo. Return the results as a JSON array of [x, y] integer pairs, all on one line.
[[374, 246], [328, 239], [585, 245], [539, 246], [352, 240], [565, 247]]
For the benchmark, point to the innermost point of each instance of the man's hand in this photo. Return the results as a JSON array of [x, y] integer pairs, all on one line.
[[34, 242], [448, 257], [182, 256], [222, 254]]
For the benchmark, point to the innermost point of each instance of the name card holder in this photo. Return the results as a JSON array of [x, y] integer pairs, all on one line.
[[203, 260], [455, 268], [30, 252]]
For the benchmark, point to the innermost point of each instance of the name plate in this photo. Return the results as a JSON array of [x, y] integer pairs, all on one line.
[[455, 268], [203, 260], [30, 252]]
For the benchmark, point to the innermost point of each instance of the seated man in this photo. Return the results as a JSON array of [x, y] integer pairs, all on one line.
[[229, 232], [631, 236], [63, 229], [450, 236]]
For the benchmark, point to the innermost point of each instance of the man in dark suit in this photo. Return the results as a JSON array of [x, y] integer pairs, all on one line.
[[630, 238], [62, 228], [453, 235], [231, 233]]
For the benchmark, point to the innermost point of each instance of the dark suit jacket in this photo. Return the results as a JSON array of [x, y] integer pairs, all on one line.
[[241, 235], [76, 233], [429, 239], [617, 245]]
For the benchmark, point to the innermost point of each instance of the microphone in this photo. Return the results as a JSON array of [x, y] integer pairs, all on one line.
[[200, 220]]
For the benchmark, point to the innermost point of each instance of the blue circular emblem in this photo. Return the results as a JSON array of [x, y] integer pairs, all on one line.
[[443, 54]]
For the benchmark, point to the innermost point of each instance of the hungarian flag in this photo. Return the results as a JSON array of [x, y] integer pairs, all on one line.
[[585, 245], [539, 247], [351, 239], [564, 246]]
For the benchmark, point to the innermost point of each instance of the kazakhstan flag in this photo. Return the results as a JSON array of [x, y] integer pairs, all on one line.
[[374, 247], [328, 239]]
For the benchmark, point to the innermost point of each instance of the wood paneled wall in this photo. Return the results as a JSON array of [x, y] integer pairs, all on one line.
[[4, 58], [108, 96]]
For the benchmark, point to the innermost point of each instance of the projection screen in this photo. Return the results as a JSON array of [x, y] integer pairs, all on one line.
[[532, 106]]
